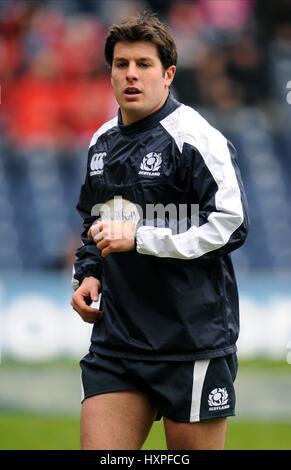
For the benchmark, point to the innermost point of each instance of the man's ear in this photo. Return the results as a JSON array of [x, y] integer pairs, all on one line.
[[169, 75]]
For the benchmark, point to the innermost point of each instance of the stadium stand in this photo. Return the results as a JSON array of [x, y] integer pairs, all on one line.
[[55, 94]]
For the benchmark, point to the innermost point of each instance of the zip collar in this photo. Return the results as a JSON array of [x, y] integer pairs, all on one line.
[[152, 119]]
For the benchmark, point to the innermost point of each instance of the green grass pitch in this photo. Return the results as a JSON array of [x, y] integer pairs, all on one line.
[[26, 431]]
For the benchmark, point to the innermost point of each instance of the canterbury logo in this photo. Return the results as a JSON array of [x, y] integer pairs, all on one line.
[[151, 164], [97, 163]]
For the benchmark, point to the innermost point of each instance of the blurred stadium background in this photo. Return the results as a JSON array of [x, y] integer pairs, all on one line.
[[235, 68]]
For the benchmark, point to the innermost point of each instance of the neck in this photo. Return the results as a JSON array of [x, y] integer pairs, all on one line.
[[130, 118]]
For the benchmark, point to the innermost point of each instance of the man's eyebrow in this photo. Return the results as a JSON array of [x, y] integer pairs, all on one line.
[[146, 58], [140, 58]]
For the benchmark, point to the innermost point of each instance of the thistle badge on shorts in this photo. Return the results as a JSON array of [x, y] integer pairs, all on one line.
[[218, 399], [150, 164]]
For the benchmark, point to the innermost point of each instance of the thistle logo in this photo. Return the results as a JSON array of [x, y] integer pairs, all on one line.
[[218, 399], [151, 164], [97, 163]]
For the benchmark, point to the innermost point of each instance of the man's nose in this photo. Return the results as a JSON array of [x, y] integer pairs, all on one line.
[[132, 73]]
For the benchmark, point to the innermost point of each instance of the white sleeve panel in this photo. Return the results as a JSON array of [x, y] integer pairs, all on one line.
[[222, 223], [104, 128]]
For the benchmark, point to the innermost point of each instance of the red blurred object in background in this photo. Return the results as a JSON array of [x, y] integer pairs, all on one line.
[[56, 112]]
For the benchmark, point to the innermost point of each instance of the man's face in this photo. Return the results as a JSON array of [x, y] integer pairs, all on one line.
[[140, 84]]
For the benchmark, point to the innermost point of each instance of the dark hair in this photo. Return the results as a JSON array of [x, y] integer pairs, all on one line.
[[143, 27]]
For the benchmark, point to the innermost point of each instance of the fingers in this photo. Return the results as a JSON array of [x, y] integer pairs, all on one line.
[[98, 236], [94, 293], [102, 244], [88, 314], [113, 236], [106, 251], [107, 230], [80, 306], [90, 317], [89, 234], [94, 231]]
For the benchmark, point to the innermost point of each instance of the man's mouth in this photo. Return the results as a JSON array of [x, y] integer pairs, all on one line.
[[131, 91]]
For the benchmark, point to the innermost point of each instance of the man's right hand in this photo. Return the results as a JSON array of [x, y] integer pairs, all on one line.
[[84, 296]]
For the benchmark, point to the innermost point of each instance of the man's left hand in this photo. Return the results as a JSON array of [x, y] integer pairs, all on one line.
[[113, 236]]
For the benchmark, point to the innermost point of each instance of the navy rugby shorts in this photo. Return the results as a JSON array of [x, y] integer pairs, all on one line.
[[183, 391]]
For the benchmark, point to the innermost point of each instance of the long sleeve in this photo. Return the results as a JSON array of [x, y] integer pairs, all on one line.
[[88, 259], [214, 182]]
